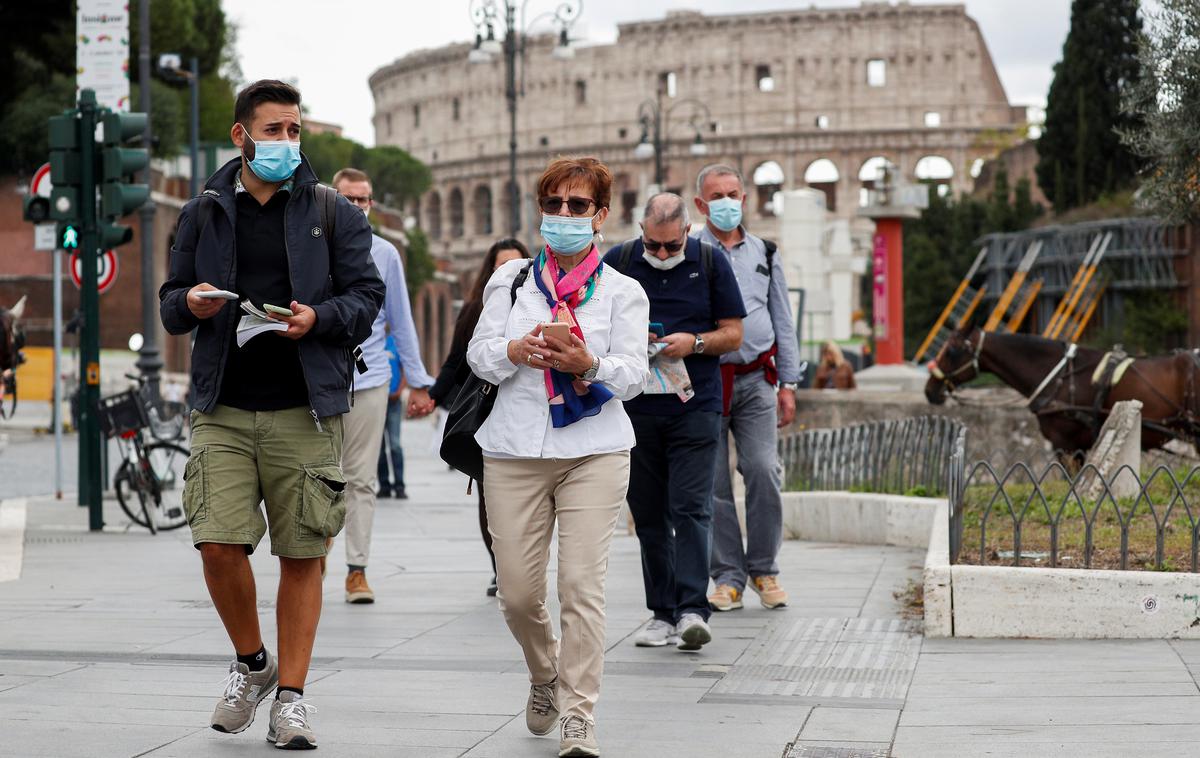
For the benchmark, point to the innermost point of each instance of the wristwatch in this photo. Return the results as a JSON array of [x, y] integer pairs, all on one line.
[[793, 386], [590, 374], [699, 346]]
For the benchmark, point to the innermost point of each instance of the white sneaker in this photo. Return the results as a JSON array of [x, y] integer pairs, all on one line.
[[657, 633], [693, 632]]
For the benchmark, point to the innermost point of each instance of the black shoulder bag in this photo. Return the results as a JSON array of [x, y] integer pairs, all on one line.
[[468, 411]]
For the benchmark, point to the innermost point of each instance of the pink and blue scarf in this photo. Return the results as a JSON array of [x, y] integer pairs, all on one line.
[[570, 398]]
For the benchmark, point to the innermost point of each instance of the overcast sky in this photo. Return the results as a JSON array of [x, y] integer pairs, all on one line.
[[332, 52]]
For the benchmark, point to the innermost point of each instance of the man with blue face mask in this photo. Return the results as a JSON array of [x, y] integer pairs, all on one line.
[[267, 424], [759, 382]]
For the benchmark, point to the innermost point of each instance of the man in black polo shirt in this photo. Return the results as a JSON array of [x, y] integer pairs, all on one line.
[[267, 424], [695, 299]]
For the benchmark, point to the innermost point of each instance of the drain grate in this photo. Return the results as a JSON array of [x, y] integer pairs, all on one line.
[[869, 662]]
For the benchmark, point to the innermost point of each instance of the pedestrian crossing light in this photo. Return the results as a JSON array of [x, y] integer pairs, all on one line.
[[68, 236], [119, 196], [65, 175]]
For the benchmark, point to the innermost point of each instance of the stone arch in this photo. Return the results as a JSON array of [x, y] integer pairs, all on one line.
[[868, 175], [936, 170], [457, 212], [768, 178], [822, 174], [481, 204], [433, 215], [506, 209]]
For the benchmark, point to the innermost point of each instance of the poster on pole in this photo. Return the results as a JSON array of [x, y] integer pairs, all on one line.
[[102, 51], [879, 276]]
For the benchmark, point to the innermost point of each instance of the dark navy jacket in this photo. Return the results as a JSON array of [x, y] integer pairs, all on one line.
[[339, 282]]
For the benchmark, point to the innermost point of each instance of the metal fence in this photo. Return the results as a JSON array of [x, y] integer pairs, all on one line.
[[1048, 516], [902, 456]]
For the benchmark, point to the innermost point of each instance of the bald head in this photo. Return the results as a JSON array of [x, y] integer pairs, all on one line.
[[666, 208]]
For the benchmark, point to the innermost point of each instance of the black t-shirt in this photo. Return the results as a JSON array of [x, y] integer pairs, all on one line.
[[684, 300], [265, 374]]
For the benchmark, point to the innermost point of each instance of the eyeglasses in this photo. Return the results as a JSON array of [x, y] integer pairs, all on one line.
[[358, 199], [654, 245], [576, 205]]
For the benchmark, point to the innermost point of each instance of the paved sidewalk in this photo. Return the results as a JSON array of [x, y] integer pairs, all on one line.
[[109, 646]]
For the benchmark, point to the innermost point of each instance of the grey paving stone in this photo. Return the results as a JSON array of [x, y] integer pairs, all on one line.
[[850, 725]]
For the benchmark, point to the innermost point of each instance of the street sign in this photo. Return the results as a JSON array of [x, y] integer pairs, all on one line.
[[106, 271], [41, 184], [45, 236], [102, 51]]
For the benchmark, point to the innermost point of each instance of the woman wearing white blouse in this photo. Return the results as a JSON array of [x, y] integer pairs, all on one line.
[[556, 445]]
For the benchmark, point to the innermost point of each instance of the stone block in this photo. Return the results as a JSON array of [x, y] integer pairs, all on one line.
[[1117, 454]]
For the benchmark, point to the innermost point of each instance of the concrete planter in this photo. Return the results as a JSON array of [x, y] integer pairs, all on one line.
[[1001, 601]]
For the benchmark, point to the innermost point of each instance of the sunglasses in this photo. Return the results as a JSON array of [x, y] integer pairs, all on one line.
[[654, 245], [577, 205]]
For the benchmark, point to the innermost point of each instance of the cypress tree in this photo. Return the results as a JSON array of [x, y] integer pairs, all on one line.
[[1079, 152]]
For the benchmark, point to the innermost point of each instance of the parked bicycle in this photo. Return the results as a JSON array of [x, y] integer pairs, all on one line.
[[151, 465]]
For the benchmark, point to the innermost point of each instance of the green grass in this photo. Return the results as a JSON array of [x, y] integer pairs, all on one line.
[[1141, 515]]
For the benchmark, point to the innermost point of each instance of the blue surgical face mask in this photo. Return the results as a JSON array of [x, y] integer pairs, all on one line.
[[725, 213], [274, 161], [567, 234]]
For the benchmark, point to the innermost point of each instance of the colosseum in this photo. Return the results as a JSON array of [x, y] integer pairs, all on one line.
[[811, 97]]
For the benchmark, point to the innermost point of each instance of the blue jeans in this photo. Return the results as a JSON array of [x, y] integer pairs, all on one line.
[[670, 497], [752, 420], [391, 441]]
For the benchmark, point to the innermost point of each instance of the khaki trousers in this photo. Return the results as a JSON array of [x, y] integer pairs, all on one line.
[[524, 499], [363, 430]]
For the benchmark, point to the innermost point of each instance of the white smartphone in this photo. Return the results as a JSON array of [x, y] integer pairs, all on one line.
[[217, 295]]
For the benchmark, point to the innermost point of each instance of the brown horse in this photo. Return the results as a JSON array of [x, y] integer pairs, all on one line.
[[12, 339], [1057, 379]]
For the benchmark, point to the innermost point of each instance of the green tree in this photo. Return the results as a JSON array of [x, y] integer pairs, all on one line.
[[1080, 153], [329, 153], [999, 211], [419, 265], [396, 176], [1165, 105]]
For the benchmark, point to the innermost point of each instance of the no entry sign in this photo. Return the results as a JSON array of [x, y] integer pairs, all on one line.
[[106, 271]]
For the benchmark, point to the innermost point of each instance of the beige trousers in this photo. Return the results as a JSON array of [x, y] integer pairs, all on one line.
[[524, 499], [363, 430]]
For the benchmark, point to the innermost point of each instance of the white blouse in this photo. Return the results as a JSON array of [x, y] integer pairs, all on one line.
[[614, 322]]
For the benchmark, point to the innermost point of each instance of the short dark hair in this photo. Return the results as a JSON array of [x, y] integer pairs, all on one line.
[[263, 91]]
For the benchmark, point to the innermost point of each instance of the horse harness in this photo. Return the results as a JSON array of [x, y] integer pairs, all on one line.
[[937, 373]]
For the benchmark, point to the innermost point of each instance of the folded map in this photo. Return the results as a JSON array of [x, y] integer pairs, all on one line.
[[254, 323]]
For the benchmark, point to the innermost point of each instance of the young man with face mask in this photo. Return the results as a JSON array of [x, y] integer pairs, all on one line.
[[373, 404], [267, 424], [759, 382], [695, 298]]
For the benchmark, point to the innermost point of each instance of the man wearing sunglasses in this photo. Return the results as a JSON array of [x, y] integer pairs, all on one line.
[[696, 315]]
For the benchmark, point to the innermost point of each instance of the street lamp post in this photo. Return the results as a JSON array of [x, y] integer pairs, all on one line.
[[655, 123], [170, 66], [486, 16], [149, 362]]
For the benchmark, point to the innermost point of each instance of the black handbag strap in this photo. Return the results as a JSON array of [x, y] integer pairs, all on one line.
[[519, 281]]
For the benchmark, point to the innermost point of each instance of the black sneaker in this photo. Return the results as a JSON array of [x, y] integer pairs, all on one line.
[[383, 493], [491, 590], [400, 494]]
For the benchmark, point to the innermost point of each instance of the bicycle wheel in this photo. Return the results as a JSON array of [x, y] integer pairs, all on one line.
[[133, 497], [167, 462]]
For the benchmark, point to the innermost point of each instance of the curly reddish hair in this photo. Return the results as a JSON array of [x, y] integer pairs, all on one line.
[[568, 170]]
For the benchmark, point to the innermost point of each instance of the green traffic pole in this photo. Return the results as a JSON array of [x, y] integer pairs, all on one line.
[[89, 249]]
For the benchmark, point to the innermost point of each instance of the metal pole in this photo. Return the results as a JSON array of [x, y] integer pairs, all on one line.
[[510, 71], [89, 250], [148, 363], [56, 416], [658, 145], [194, 82]]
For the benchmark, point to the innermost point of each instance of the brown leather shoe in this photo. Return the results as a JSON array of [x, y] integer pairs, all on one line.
[[357, 589]]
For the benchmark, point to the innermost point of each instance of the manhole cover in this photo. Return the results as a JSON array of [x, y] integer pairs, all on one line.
[[822, 751], [825, 659]]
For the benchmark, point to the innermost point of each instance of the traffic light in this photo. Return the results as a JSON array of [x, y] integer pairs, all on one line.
[[65, 170], [37, 209], [118, 196]]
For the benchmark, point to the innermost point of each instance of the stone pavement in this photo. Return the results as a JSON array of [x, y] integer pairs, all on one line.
[[109, 646]]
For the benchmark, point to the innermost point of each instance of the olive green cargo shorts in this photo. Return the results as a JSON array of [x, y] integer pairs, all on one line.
[[242, 459]]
